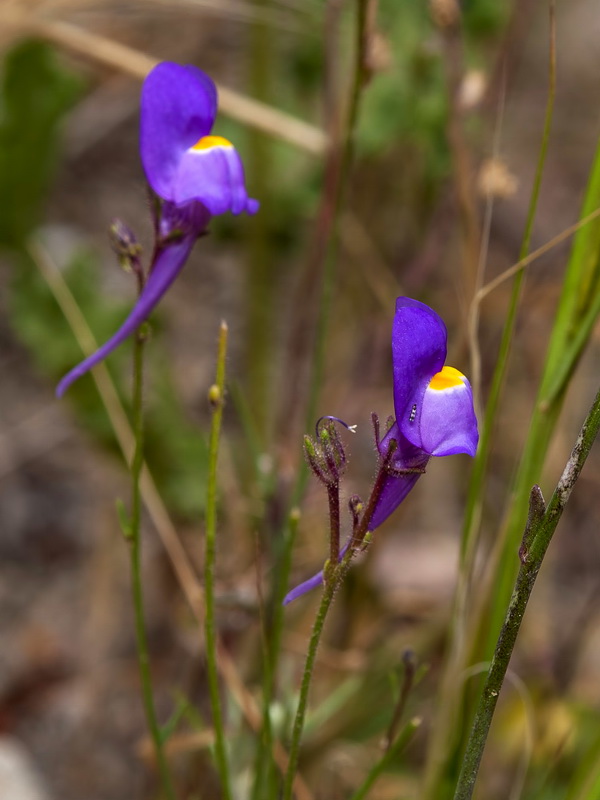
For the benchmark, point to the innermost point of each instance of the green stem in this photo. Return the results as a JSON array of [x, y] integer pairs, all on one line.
[[216, 398], [134, 539], [387, 759], [540, 528], [315, 638]]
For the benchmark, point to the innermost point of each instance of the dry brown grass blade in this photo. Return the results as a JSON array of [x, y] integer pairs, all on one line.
[[178, 743], [152, 500], [233, 104], [525, 262]]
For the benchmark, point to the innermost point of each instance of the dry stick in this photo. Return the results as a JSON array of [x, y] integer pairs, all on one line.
[[540, 527], [240, 108], [534, 255], [152, 500], [241, 10]]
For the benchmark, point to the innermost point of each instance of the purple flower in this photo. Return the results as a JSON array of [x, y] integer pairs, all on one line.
[[433, 403], [433, 406], [194, 174], [182, 161]]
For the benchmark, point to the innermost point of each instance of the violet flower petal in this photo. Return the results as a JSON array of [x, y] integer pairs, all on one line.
[[215, 177], [167, 266], [418, 352], [394, 491], [313, 582], [178, 107]]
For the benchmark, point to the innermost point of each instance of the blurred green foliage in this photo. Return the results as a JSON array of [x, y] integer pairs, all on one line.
[[406, 104]]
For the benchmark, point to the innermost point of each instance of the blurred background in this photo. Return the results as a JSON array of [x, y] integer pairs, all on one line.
[[449, 130]]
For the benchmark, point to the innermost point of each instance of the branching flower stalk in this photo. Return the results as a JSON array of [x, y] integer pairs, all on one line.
[[541, 524], [334, 577]]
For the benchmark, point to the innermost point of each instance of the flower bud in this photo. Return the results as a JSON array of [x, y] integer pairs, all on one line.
[[326, 457], [315, 458], [333, 449]]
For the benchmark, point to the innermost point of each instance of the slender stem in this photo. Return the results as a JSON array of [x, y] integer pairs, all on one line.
[[216, 397], [315, 638], [333, 496], [540, 528], [134, 539], [387, 759], [410, 668]]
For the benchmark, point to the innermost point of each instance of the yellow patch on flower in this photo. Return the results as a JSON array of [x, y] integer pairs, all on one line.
[[448, 378], [207, 142]]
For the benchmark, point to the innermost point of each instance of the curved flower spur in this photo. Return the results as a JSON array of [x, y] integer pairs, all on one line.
[[434, 415], [194, 176]]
